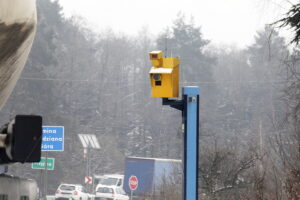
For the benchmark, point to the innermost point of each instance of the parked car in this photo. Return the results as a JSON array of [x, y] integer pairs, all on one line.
[[110, 193], [71, 191]]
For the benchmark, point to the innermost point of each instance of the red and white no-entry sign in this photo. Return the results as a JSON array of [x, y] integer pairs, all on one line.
[[88, 180], [133, 182]]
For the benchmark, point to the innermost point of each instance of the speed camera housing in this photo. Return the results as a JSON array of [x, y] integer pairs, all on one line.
[[164, 75]]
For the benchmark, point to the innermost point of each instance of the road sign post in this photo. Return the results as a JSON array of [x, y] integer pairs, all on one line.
[[189, 105], [191, 141], [52, 140], [88, 141], [133, 184], [42, 164], [164, 78]]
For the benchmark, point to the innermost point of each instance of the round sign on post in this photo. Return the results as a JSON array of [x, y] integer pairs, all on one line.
[[133, 183]]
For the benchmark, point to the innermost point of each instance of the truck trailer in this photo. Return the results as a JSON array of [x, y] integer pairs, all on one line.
[[148, 176]]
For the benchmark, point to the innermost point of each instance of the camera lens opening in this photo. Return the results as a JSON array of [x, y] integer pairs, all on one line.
[[157, 77]]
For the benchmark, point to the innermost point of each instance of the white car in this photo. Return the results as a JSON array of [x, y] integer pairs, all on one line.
[[71, 191], [110, 193]]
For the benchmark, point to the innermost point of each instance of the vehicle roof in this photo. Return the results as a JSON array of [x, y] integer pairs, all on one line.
[[69, 184], [99, 176], [109, 175], [155, 159], [116, 175], [107, 186]]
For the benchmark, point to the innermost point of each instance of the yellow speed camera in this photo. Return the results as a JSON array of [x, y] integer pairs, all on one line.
[[164, 75]]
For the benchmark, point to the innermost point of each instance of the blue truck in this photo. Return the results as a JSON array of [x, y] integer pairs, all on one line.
[[146, 175]]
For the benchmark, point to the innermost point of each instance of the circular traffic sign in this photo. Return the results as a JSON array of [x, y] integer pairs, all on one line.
[[133, 182]]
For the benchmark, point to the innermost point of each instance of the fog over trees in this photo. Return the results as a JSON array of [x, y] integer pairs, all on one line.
[[98, 83]]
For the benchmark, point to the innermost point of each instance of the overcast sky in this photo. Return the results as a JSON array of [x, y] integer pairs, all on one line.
[[222, 21]]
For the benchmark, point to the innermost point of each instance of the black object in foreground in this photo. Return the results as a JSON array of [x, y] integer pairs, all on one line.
[[23, 140]]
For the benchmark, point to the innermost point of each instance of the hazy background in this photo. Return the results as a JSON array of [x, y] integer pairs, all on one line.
[[231, 22], [89, 73]]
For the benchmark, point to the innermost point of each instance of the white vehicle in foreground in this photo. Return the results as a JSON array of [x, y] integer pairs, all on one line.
[[71, 191], [110, 193]]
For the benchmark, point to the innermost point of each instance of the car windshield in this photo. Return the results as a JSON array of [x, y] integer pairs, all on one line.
[[105, 190], [98, 180], [109, 181], [67, 187], [120, 191]]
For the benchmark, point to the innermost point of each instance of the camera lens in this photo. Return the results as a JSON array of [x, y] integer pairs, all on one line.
[[157, 77]]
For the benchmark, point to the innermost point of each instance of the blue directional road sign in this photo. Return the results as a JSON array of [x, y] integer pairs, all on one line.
[[53, 138]]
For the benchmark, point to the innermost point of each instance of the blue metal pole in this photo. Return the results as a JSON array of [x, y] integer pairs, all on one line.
[[191, 141]]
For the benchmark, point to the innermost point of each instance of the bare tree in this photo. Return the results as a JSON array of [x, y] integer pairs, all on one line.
[[225, 173], [286, 142]]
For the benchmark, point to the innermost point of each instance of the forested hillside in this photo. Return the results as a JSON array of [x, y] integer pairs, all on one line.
[[98, 83]]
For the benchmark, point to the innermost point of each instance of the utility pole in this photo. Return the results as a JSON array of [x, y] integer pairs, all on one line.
[[46, 176], [164, 76], [88, 141]]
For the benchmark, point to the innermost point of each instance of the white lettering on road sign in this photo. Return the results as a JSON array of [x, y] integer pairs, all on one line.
[[49, 131], [53, 139], [45, 146]]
